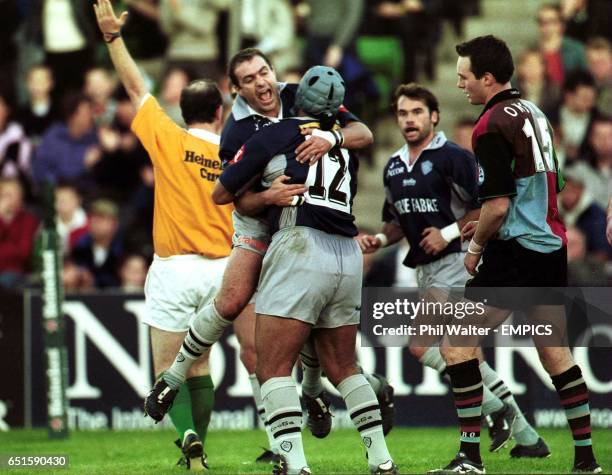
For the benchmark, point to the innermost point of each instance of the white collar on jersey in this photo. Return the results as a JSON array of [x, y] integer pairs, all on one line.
[[205, 135], [438, 141], [241, 109]]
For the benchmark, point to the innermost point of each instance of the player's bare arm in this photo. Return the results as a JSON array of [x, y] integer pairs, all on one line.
[[435, 240], [126, 68], [355, 135], [390, 234], [492, 215], [280, 193]]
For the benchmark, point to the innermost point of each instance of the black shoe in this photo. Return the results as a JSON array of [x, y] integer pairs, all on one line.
[[587, 467], [500, 426], [387, 468], [268, 456], [193, 457], [386, 401], [461, 464], [159, 400], [537, 450], [319, 418], [281, 468]]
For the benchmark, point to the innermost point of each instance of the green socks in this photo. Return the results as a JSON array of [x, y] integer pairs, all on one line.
[[193, 406], [202, 392]]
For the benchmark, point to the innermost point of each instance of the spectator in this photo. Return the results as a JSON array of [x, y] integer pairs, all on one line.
[[269, 26], [582, 269], [63, 29], [534, 84], [191, 28], [15, 148], [40, 111], [144, 38], [69, 149], [585, 19], [99, 87], [173, 83], [597, 170], [331, 28], [75, 278], [576, 112], [462, 133], [139, 218], [122, 151], [133, 272], [100, 250], [418, 25], [17, 230], [9, 24], [561, 55], [72, 222], [599, 57], [578, 208]]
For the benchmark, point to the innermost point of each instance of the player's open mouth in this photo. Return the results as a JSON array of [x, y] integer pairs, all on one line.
[[265, 96], [410, 129]]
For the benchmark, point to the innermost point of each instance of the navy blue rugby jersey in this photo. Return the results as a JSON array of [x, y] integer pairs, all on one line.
[[332, 181], [243, 121], [439, 188]]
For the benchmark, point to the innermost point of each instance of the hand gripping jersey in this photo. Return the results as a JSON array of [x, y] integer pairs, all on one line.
[[512, 140], [439, 188], [332, 181]]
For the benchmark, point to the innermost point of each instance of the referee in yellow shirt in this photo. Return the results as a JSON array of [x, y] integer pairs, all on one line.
[[191, 235]]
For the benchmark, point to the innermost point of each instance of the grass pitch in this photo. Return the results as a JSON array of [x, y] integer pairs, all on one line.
[[415, 451]]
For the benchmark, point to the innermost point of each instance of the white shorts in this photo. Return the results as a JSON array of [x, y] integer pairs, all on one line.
[[177, 287]]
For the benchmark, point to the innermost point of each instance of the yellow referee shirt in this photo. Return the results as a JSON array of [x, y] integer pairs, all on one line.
[[186, 164]]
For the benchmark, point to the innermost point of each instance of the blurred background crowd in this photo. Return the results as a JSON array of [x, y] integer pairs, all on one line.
[[63, 116]]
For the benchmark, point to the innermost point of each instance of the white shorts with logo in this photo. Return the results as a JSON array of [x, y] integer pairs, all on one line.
[[177, 287], [447, 272]]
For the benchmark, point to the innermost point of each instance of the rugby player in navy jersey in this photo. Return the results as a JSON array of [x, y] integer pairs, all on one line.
[[519, 237], [262, 101], [431, 185], [312, 271]]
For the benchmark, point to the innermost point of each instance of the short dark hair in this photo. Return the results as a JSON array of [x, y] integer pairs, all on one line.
[[488, 54], [578, 78], [71, 102], [416, 92], [200, 99], [242, 56]]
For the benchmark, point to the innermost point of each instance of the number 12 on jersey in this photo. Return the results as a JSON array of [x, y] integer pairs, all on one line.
[[329, 183]]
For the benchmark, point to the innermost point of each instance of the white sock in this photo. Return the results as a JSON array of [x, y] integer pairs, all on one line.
[[261, 410], [284, 415], [312, 385], [365, 413], [205, 330]]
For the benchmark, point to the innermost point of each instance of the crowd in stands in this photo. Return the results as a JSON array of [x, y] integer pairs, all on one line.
[[64, 119]]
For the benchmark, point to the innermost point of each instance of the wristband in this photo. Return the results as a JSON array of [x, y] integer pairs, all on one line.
[[110, 37], [384, 241], [474, 248], [451, 232], [328, 135]]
